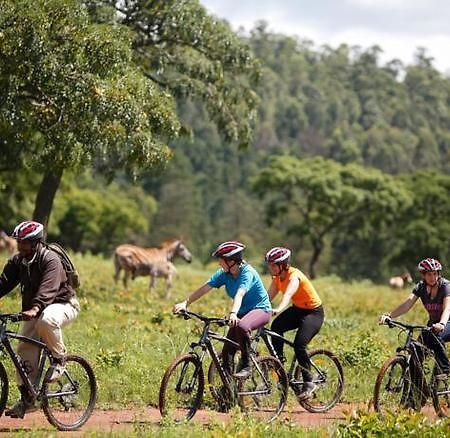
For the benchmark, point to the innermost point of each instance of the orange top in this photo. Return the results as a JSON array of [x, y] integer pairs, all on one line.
[[306, 296]]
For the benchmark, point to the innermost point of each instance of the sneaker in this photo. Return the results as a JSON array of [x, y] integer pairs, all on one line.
[[243, 373], [307, 391], [19, 409], [441, 377], [55, 372]]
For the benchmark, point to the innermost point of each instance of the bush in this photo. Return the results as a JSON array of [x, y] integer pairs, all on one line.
[[364, 424]]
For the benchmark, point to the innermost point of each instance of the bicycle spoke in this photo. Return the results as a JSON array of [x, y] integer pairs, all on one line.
[[394, 390], [329, 380], [69, 401], [181, 389], [264, 393]]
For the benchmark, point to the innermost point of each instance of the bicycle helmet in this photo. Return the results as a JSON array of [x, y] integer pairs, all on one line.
[[278, 254], [429, 265], [28, 230], [229, 249]]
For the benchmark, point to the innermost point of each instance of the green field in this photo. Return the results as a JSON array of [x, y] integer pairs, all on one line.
[[131, 337]]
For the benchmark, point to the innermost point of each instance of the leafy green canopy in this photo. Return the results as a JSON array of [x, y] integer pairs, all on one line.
[[71, 95], [193, 54], [326, 198]]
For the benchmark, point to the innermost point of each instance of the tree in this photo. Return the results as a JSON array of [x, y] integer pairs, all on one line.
[[423, 228], [73, 97], [326, 198], [97, 220], [192, 54]]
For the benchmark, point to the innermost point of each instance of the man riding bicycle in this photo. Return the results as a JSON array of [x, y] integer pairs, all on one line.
[[306, 313], [48, 304], [434, 292]]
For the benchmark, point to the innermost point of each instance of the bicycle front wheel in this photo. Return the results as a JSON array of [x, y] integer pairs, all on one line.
[[328, 376], [221, 396], [440, 393], [181, 391], [264, 393], [4, 387], [69, 401], [393, 388]]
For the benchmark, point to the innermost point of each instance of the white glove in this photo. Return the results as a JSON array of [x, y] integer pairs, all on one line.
[[384, 318]]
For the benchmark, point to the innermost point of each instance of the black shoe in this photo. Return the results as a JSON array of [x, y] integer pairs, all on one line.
[[19, 409]]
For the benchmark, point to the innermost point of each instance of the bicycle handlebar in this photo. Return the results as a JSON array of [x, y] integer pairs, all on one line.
[[391, 323], [11, 317], [186, 314]]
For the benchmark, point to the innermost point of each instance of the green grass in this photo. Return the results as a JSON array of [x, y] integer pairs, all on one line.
[[131, 337]]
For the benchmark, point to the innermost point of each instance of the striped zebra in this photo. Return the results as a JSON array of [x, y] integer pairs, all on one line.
[[155, 262]]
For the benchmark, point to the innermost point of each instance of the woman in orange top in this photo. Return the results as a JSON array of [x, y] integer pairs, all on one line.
[[306, 313]]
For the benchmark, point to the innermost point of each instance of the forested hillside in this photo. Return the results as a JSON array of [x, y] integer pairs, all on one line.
[[343, 105], [347, 163]]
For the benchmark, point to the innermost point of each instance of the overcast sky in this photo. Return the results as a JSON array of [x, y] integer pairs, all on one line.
[[397, 26]]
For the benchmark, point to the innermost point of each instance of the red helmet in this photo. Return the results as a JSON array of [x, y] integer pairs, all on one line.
[[230, 249], [428, 265], [28, 230], [278, 255]]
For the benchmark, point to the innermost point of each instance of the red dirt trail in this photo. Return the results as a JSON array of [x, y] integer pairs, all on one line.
[[126, 420]]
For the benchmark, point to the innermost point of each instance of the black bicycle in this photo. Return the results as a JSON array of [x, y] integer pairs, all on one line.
[[262, 394], [67, 402], [412, 376], [328, 374]]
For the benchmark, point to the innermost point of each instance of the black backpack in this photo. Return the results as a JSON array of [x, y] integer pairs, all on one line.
[[73, 278]]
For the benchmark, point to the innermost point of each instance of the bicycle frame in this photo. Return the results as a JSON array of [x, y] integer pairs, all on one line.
[[409, 352], [206, 345], [5, 344], [266, 335]]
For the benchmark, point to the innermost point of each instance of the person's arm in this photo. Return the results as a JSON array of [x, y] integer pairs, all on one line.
[[273, 290], [9, 278], [401, 309], [194, 296], [439, 326], [237, 301], [293, 285]]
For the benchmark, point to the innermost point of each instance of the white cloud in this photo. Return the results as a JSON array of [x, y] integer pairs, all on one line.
[[390, 4], [399, 27]]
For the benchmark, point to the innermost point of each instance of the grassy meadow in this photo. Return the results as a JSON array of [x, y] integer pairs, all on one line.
[[131, 337]]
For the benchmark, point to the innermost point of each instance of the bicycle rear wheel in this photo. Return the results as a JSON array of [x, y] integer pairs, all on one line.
[[69, 401], [4, 388], [393, 387], [328, 376], [181, 391], [264, 393]]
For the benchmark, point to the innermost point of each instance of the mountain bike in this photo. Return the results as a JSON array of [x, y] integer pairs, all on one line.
[[67, 402], [262, 394], [409, 378], [327, 371]]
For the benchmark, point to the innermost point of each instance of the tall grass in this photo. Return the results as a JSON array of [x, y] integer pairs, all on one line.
[[131, 337]]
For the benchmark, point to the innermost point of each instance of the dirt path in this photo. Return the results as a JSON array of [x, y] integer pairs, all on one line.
[[127, 420]]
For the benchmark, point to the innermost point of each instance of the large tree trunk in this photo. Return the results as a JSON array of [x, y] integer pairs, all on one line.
[[45, 196], [317, 251]]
